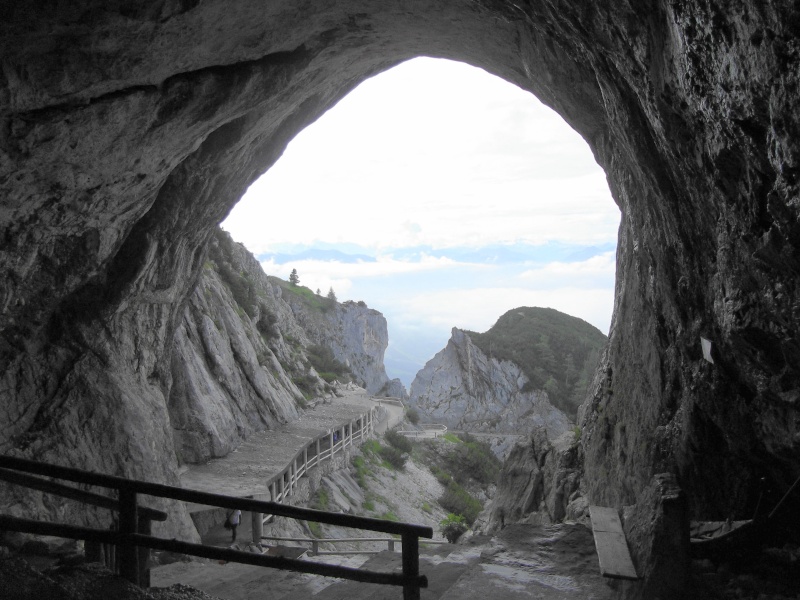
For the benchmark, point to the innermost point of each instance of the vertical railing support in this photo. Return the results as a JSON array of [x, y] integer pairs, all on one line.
[[318, 450], [257, 528], [127, 553], [145, 527], [330, 437], [411, 566]]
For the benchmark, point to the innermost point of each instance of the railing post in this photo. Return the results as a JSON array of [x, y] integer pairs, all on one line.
[[314, 547], [127, 553], [411, 566], [93, 551], [318, 451], [257, 527], [330, 435], [391, 545], [145, 528], [305, 459]]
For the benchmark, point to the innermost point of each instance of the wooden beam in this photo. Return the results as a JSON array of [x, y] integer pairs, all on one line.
[[612, 547]]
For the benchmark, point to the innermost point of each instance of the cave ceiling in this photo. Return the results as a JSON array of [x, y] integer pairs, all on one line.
[[128, 130]]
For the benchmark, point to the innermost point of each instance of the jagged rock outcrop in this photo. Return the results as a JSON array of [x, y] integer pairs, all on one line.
[[540, 481], [357, 334], [466, 390], [128, 130]]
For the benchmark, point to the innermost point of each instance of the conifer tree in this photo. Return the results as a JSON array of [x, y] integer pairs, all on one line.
[[294, 278], [331, 295]]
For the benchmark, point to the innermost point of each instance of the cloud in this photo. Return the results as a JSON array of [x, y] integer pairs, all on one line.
[[431, 152], [596, 270]]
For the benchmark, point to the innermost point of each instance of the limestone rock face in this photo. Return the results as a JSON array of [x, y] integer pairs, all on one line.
[[466, 390], [242, 347], [539, 481], [129, 129], [357, 334]]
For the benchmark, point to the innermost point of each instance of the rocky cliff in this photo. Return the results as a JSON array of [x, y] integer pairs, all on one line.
[[242, 360], [129, 129], [466, 390]]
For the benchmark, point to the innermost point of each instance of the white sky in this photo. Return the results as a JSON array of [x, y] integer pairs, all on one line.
[[445, 156]]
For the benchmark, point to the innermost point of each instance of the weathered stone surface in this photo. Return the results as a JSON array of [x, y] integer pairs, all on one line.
[[128, 129], [657, 531], [539, 480], [466, 390]]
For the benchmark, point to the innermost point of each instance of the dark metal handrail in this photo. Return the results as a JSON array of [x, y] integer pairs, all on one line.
[[129, 535]]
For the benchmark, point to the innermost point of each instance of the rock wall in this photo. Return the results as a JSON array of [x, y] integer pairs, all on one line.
[[539, 482], [128, 130], [241, 351], [466, 390]]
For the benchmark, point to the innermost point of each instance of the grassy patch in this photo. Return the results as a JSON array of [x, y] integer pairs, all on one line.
[[321, 500], [389, 516], [315, 528], [362, 470], [451, 437]]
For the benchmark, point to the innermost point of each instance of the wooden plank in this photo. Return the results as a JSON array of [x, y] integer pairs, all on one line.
[[612, 547]]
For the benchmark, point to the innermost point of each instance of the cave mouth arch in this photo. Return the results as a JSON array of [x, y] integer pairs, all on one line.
[[478, 181], [127, 135]]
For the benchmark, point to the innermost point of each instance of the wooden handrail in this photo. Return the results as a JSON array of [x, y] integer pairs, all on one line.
[[230, 502], [128, 537], [51, 487], [212, 552]]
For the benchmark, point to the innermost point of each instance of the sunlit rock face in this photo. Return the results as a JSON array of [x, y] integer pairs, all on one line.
[[466, 390], [129, 129]]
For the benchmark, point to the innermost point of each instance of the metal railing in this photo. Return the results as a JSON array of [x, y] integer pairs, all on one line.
[[130, 540]]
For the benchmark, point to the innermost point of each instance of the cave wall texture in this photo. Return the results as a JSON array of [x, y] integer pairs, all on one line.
[[128, 129]]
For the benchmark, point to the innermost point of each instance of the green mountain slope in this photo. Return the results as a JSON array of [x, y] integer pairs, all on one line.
[[556, 351]]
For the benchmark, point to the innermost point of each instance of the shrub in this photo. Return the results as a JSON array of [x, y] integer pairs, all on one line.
[[457, 500], [321, 500], [472, 459], [394, 457], [323, 360], [412, 415], [267, 324], [453, 527], [360, 465], [371, 447], [452, 438], [399, 441]]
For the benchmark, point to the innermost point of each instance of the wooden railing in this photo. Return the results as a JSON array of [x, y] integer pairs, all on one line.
[[315, 542], [436, 428], [130, 540], [323, 447]]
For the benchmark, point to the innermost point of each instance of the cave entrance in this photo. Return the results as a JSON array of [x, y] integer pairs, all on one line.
[[441, 196]]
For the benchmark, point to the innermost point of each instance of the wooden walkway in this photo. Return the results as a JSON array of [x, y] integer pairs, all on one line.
[[268, 465], [612, 547]]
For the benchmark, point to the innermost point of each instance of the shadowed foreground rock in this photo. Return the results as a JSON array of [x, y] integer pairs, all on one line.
[[129, 129]]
